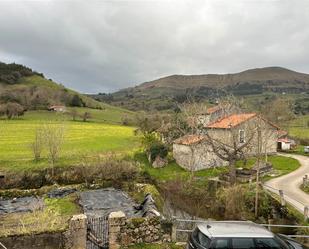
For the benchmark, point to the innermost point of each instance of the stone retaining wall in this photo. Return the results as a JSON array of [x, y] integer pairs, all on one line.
[[37, 241], [73, 238], [125, 231]]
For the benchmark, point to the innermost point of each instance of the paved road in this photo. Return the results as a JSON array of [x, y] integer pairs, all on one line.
[[291, 182]]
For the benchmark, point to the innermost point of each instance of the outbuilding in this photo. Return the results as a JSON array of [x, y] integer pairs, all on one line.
[[284, 144]]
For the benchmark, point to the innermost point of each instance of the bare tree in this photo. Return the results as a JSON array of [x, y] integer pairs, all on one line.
[[281, 110], [38, 143], [11, 110], [86, 116], [54, 138], [231, 149], [74, 114]]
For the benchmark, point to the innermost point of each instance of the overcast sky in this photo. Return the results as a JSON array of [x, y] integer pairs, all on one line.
[[101, 46]]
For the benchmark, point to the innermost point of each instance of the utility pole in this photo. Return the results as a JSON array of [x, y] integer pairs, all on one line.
[[258, 168]]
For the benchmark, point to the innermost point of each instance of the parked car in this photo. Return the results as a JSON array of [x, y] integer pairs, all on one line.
[[238, 235]]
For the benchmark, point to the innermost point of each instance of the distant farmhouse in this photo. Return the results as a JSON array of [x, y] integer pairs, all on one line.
[[57, 108], [195, 151]]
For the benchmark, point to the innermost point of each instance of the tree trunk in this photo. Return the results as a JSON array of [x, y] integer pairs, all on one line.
[[232, 171], [256, 210]]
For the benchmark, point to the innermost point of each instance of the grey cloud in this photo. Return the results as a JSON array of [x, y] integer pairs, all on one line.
[[103, 46]]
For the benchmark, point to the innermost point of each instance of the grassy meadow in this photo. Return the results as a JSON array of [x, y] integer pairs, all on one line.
[[299, 127], [96, 137]]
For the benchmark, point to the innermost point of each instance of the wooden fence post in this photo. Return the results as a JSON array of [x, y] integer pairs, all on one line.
[[282, 200], [306, 212], [305, 180]]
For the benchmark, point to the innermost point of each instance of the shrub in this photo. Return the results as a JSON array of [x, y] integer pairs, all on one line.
[[158, 149], [12, 110], [77, 101], [37, 144], [108, 169]]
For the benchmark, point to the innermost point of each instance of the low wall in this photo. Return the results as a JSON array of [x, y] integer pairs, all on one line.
[[37, 241], [73, 238], [125, 231]]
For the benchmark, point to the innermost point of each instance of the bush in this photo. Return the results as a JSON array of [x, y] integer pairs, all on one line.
[[12, 110], [158, 149], [108, 169], [77, 101], [11, 73]]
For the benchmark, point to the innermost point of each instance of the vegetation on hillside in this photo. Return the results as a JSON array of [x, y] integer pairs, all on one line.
[[166, 93], [12, 73], [31, 90]]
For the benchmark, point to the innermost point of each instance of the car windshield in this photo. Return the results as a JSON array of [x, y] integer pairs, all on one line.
[[201, 238]]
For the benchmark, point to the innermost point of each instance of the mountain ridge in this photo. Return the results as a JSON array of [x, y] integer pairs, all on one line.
[[162, 93], [265, 73]]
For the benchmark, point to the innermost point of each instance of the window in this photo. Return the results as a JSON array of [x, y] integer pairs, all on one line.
[[243, 243], [268, 243], [221, 244], [201, 238], [241, 136]]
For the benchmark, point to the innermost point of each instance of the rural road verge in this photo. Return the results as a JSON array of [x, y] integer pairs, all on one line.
[[290, 184]]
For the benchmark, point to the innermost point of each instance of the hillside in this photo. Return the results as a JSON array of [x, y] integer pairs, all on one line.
[[20, 84], [162, 93]]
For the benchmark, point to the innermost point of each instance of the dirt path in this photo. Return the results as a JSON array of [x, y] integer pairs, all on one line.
[[290, 184]]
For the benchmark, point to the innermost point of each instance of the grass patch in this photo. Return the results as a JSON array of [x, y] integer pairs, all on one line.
[[284, 165], [281, 164], [298, 127], [173, 171], [54, 217], [81, 139]]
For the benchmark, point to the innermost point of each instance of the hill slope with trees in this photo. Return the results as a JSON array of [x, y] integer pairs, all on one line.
[[20, 84], [163, 93]]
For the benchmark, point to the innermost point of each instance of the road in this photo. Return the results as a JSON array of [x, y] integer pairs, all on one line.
[[290, 184]]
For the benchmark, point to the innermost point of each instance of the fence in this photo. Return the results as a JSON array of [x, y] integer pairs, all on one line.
[[97, 232], [301, 207]]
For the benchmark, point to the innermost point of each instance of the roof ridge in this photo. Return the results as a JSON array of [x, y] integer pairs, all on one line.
[[230, 115]]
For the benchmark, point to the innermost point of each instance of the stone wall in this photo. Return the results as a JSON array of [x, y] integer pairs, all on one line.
[[127, 231], [76, 236], [37, 241], [73, 238], [196, 156]]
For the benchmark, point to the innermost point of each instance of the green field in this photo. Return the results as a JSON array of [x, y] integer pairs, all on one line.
[[109, 115], [82, 139], [299, 127]]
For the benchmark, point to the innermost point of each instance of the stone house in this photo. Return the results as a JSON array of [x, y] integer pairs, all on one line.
[[194, 152], [57, 108], [214, 113]]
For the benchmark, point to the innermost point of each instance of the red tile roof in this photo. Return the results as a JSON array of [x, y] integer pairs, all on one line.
[[231, 121], [284, 140], [190, 139], [213, 109], [282, 133]]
